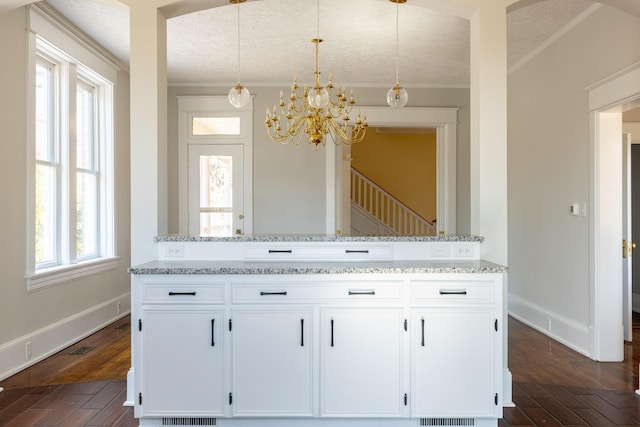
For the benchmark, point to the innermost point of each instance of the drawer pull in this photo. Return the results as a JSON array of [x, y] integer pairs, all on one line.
[[280, 251], [356, 251], [301, 332], [453, 292], [172, 294], [213, 332], [263, 293], [422, 321], [331, 332], [370, 292]]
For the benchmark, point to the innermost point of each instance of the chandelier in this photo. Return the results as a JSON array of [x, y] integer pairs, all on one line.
[[315, 115]]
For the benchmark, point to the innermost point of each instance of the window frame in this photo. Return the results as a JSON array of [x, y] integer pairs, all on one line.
[[75, 63]]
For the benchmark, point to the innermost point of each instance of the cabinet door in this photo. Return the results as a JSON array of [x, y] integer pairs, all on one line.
[[453, 362], [183, 362], [272, 362], [361, 369]]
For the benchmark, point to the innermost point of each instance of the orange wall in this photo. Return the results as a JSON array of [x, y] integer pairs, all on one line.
[[402, 164]]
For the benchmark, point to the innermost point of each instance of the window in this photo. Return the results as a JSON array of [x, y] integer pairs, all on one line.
[[71, 161]]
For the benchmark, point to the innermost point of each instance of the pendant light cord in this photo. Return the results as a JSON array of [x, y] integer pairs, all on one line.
[[238, 44], [397, 45]]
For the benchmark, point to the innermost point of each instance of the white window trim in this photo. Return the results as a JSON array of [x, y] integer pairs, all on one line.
[[67, 273], [41, 24]]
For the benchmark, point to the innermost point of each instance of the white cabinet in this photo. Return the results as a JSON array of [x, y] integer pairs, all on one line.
[[315, 349], [455, 350], [272, 362], [453, 371], [361, 365], [180, 347], [183, 355]]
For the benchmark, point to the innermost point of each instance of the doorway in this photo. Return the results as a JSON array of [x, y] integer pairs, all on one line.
[[393, 183], [607, 102], [444, 120]]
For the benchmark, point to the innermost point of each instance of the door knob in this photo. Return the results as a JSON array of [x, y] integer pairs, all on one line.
[[627, 248]]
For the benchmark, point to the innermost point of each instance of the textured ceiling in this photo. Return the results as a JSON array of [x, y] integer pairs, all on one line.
[[359, 47]]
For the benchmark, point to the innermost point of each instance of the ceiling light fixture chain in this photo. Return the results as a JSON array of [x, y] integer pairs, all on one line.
[[397, 96], [317, 116], [239, 95]]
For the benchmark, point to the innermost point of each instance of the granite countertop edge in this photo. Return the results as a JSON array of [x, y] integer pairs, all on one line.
[[319, 238], [248, 268]]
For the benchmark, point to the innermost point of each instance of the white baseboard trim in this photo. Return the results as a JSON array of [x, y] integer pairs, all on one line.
[[59, 335], [566, 331]]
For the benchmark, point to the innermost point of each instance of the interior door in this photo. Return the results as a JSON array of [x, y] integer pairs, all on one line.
[[215, 182], [627, 283]]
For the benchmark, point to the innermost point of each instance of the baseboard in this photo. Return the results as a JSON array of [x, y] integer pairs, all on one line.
[[561, 329], [51, 339]]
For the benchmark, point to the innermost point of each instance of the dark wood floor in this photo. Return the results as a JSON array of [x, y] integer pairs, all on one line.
[[84, 385]]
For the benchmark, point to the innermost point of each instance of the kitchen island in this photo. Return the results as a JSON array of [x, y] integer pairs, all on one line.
[[310, 331]]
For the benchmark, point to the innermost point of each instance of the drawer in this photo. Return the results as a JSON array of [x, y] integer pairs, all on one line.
[[281, 252], [361, 291], [460, 291], [183, 293]]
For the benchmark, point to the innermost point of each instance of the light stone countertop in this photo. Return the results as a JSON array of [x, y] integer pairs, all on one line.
[[320, 238], [325, 267]]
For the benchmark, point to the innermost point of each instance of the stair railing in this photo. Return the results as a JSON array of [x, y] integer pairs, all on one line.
[[387, 209]]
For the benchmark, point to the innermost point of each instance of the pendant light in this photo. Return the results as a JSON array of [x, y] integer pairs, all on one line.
[[239, 95], [397, 96]]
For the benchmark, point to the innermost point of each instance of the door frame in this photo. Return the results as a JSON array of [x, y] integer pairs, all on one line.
[[445, 120], [627, 275], [217, 106], [606, 100]]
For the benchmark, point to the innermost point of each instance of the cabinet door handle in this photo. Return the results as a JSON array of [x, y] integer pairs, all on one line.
[[213, 332], [422, 321], [453, 292], [280, 251], [356, 251], [263, 293], [172, 294], [370, 292], [331, 332], [301, 332]]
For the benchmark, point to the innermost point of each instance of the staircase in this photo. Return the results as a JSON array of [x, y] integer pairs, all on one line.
[[376, 212]]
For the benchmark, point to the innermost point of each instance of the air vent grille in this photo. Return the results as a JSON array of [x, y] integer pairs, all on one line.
[[188, 421], [81, 351], [447, 422]]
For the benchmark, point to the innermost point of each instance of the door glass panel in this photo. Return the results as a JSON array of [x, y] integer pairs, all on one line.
[[215, 186], [216, 195]]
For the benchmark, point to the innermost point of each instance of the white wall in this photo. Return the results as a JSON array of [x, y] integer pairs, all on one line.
[[56, 315], [289, 181], [548, 162]]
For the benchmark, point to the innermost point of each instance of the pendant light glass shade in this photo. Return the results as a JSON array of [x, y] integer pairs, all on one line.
[[239, 95], [397, 97], [318, 97]]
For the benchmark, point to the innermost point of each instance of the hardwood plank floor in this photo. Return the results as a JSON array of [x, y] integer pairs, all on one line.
[[553, 385]]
